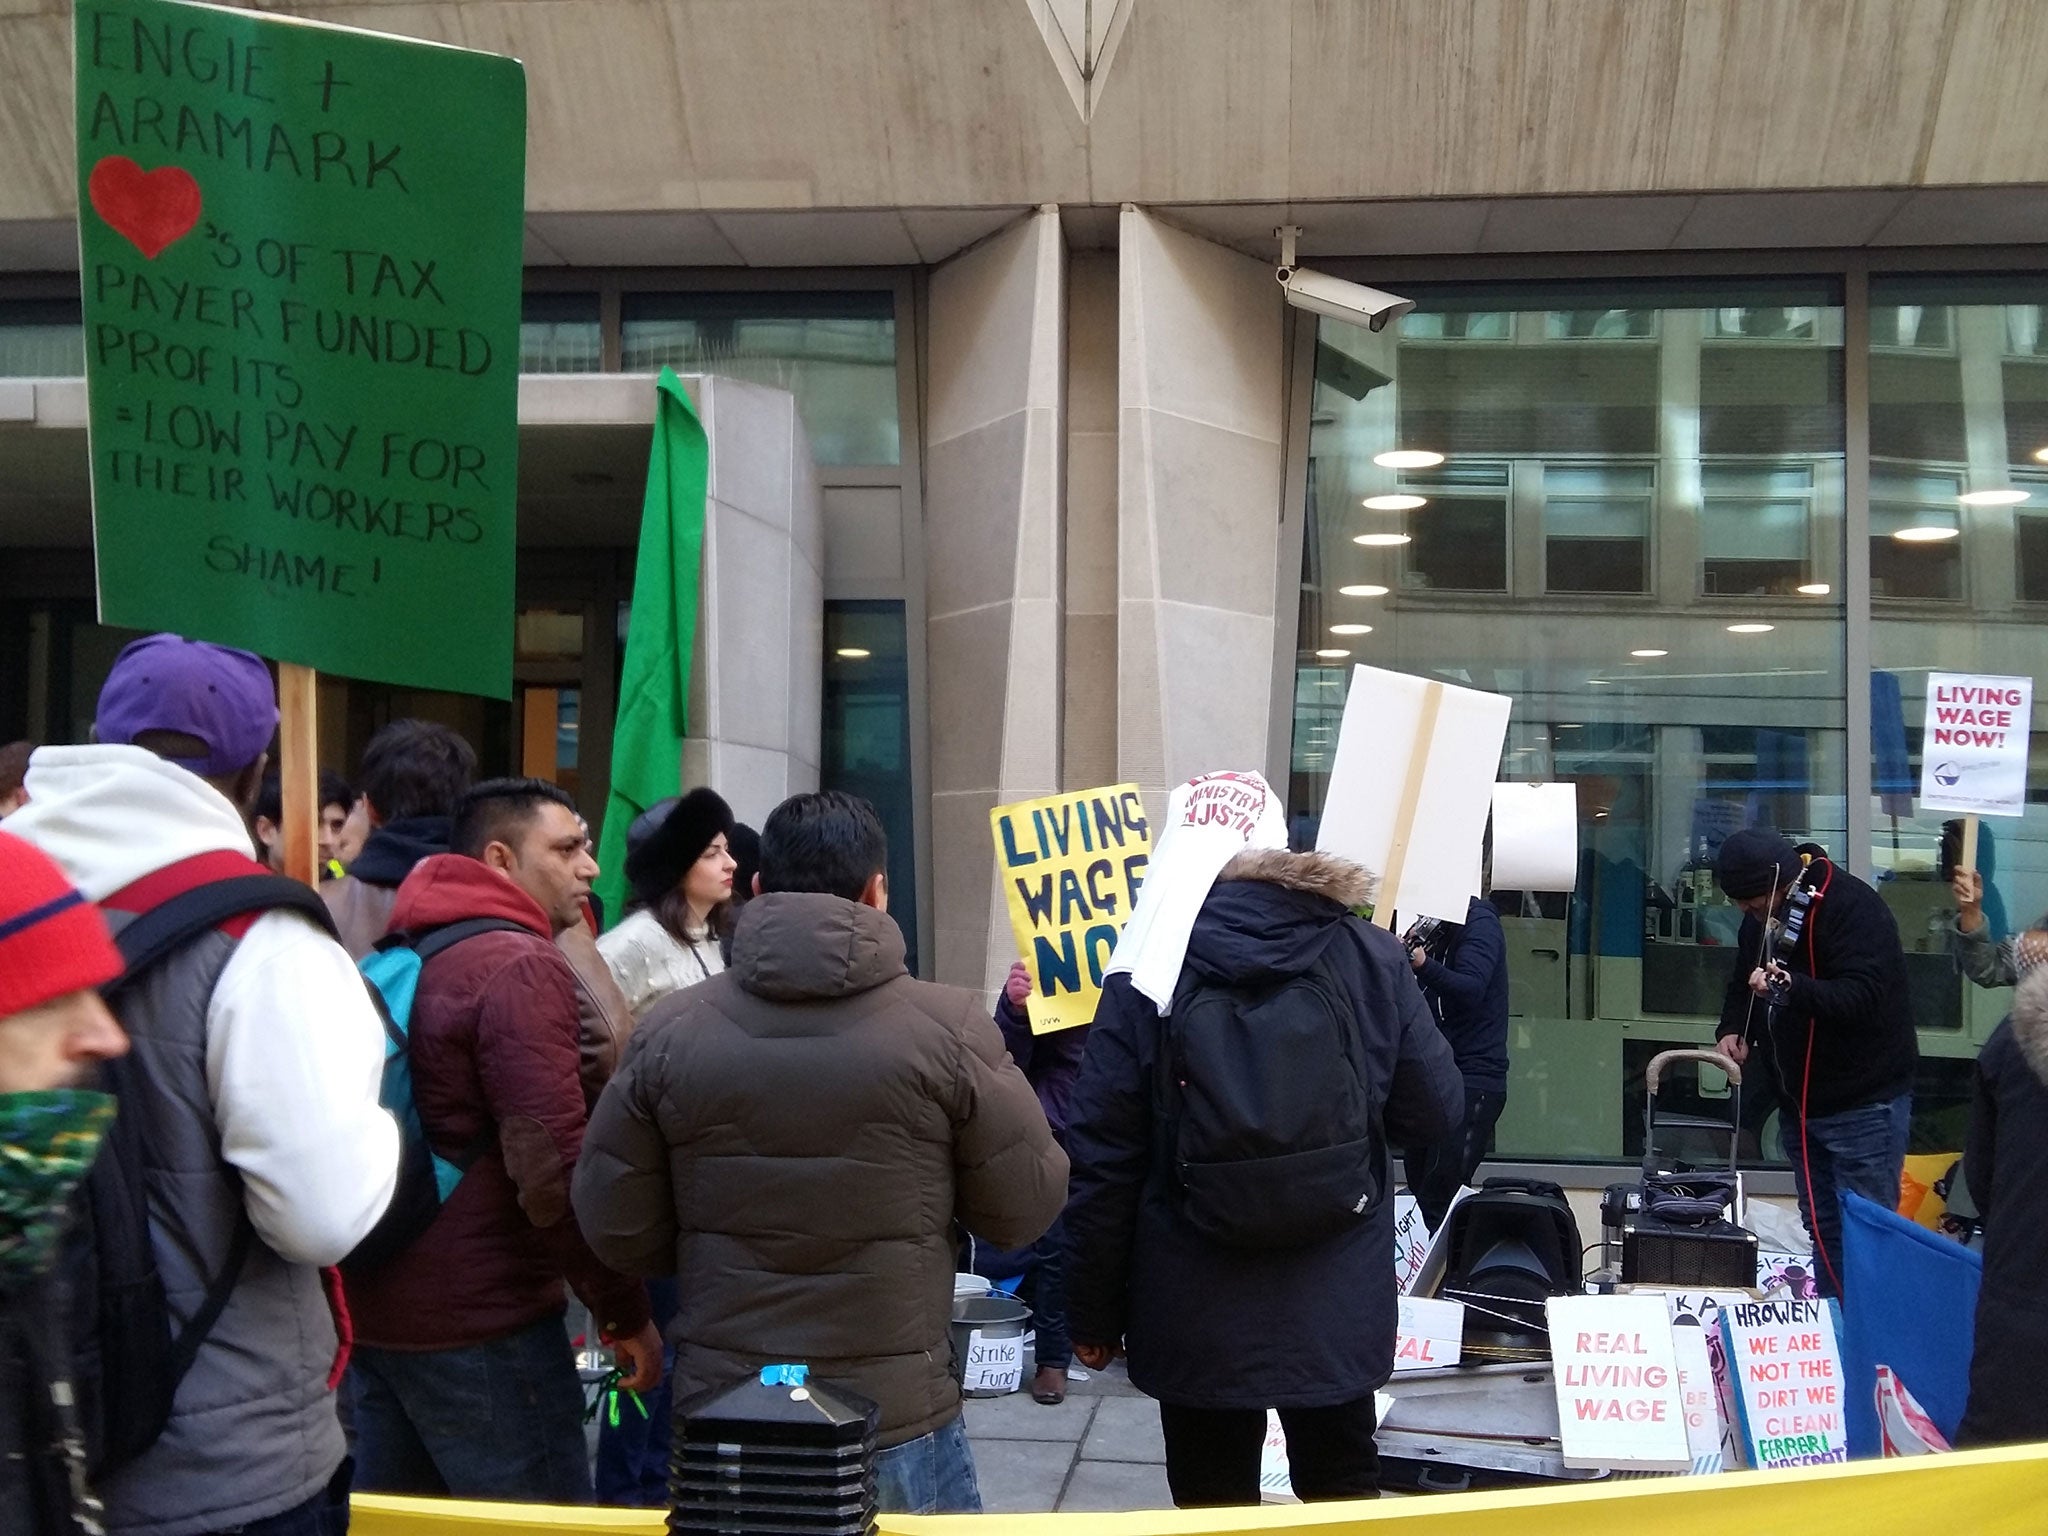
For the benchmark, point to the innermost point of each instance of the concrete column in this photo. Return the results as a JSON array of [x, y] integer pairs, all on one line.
[[1090, 579], [1201, 397], [994, 485], [756, 692]]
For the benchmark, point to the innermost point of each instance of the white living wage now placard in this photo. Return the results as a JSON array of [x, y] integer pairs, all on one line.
[[1973, 754]]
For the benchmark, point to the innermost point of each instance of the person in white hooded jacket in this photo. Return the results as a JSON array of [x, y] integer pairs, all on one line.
[[258, 1057]]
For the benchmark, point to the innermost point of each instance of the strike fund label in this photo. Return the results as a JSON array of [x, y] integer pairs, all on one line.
[[1071, 867], [300, 256]]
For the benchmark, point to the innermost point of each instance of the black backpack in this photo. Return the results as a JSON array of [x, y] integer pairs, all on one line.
[[126, 1362], [1270, 1135]]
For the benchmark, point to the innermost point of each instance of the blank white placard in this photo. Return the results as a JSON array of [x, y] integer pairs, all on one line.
[[1382, 719], [1535, 837]]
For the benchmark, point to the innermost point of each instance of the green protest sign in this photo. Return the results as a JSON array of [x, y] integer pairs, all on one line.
[[300, 252]]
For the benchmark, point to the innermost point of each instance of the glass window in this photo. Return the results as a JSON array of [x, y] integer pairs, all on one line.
[[2023, 330], [1658, 650], [1915, 532], [1959, 550], [1457, 325], [1596, 527], [1599, 324], [560, 333], [836, 352], [2030, 532], [1756, 535], [867, 735], [41, 339], [1798, 322], [1913, 326], [1462, 545]]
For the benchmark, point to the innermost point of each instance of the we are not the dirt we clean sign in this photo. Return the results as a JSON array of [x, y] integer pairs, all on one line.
[[300, 254]]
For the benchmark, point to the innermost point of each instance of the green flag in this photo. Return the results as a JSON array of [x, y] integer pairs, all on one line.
[[654, 689]]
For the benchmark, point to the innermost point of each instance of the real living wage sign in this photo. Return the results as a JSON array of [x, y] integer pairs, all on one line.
[[300, 255]]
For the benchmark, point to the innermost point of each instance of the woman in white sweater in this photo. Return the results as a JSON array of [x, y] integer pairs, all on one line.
[[680, 867]]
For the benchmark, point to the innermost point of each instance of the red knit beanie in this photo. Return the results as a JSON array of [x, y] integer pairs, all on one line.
[[52, 940]]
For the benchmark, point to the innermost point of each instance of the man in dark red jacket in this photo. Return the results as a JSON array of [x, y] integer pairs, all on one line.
[[467, 1383]]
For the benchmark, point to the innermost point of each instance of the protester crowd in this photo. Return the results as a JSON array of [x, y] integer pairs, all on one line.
[[247, 1267]]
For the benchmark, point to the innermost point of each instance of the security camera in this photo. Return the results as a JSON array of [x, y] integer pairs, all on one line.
[[1332, 296], [1340, 300]]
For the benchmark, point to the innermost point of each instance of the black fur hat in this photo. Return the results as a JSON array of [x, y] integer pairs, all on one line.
[[668, 837]]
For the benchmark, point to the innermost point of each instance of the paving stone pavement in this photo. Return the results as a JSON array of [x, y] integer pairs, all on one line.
[[1099, 1450]]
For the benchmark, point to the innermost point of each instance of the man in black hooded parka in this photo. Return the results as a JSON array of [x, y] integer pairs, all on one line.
[[1218, 1334]]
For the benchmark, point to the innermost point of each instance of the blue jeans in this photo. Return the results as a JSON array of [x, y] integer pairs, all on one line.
[[1861, 1149], [931, 1475], [632, 1460], [502, 1420], [1040, 1275]]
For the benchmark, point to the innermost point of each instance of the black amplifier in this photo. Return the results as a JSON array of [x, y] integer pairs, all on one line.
[[1715, 1256]]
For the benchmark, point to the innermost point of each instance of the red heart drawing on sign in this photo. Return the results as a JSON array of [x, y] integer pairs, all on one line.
[[151, 208]]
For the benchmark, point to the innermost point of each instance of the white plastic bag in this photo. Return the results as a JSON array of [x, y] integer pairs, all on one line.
[[1902, 1424]]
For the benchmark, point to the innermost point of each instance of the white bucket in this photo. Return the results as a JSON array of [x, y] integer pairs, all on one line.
[[966, 1287]]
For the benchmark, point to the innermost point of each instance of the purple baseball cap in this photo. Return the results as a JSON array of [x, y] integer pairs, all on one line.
[[222, 696]]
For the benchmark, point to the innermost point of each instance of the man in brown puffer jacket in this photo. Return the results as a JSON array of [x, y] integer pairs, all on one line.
[[794, 1140]]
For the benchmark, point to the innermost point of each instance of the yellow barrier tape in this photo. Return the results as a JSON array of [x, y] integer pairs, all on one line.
[[1987, 1493], [378, 1514]]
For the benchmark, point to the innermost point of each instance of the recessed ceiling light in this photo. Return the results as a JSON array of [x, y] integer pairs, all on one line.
[[1815, 589], [852, 653], [1332, 654], [1408, 458], [1926, 534], [2002, 498], [1350, 629], [1569, 727], [1380, 540], [1599, 682], [2041, 455], [1364, 589], [1647, 653], [1395, 503], [1751, 629]]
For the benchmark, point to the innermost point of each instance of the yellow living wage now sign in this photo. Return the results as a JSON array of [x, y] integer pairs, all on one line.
[[1071, 866]]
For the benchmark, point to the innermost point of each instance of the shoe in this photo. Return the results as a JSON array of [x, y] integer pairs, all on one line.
[[1049, 1386]]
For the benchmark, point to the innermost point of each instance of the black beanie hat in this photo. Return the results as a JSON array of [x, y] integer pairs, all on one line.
[[668, 837], [1753, 861]]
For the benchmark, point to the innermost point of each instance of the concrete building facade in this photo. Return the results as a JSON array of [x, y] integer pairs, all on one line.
[[1729, 333]]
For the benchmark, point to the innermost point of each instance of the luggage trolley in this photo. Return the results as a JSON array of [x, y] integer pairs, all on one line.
[[1678, 1226]]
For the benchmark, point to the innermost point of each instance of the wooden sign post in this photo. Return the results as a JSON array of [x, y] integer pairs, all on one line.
[[1404, 814], [298, 769]]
